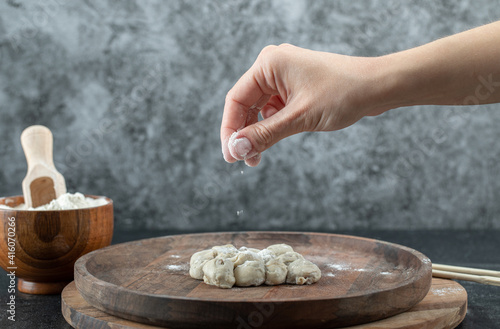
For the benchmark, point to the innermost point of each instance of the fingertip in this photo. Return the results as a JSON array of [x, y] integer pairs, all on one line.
[[228, 158], [240, 148], [225, 151], [253, 161]]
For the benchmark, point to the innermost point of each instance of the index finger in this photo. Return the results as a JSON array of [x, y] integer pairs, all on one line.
[[247, 93]]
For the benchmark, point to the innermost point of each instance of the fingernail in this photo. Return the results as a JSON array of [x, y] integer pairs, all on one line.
[[242, 146]]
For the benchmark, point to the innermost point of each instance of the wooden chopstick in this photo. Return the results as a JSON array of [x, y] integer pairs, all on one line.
[[465, 273], [465, 270]]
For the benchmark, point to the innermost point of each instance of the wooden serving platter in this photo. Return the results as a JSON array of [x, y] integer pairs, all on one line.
[[444, 307], [147, 281]]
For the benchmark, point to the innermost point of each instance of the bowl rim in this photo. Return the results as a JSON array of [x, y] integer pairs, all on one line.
[[2, 202]]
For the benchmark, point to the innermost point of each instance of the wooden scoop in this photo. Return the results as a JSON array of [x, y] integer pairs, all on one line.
[[43, 183]]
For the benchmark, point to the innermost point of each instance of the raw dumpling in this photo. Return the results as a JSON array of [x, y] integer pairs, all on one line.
[[219, 272], [266, 255], [245, 256], [276, 272], [250, 273], [197, 261], [289, 257], [242, 249], [303, 271], [279, 249], [225, 266], [225, 251]]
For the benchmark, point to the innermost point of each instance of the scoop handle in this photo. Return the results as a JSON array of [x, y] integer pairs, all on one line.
[[43, 182], [37, 142]]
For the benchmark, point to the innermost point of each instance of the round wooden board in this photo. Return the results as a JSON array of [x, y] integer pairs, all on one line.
[[444, 307], [363, 280]]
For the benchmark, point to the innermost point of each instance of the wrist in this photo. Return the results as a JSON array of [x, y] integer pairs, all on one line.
[[382, 88]]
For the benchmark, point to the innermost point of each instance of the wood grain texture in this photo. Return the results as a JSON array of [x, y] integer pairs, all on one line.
[[363, 280], [43, 183], [444, 307], [47, 243], [42, 191]]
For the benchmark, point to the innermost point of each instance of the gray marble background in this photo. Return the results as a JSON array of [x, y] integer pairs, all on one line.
[[134, 90]]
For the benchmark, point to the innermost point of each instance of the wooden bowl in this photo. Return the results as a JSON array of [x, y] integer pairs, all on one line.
[[41, 247]]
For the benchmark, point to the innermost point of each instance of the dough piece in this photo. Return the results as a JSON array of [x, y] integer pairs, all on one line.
[[279, 249], [197, 261], [219, 272], [242, 249], [244, 256], [276, 272], [303, 271], [225, 266], [289, 257], [226, 251], [266, 255], [250, 273]]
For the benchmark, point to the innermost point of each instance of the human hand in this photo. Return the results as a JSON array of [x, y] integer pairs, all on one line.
[[296, 90]]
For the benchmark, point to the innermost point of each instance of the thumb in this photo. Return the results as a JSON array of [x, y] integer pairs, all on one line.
[[254, 139]]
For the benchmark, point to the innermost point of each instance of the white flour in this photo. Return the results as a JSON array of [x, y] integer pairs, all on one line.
[[176, 267], [241, 146], [65, 202]]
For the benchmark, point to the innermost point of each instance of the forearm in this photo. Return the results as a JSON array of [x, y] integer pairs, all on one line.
[[309, 90], [463, 69]]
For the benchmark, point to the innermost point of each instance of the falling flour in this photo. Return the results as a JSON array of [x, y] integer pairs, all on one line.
[[66, 201]]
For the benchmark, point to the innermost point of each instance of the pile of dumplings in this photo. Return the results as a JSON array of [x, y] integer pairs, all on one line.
[[226, 266]]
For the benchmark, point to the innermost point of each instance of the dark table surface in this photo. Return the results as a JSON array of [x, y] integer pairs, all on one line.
[[479, 249]]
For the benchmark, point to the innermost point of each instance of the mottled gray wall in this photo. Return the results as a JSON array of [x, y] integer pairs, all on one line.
[[133, 92]]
